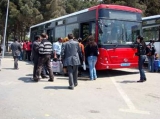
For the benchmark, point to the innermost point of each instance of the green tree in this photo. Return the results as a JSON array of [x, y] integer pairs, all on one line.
[[153, 7]]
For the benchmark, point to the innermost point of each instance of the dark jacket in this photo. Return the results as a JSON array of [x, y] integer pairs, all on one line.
[[1, 49], [16, 48], [35, 53], [91, 50], [70, 53], [141, 50], [150, 51]]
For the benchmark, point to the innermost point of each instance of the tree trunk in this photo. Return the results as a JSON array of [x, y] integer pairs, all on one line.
[[24, 35]]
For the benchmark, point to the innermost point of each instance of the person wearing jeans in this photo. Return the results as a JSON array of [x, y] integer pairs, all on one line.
[[92, 70], [141, 51], [150, 51], [141, 61], [151, 63], [92, 54]]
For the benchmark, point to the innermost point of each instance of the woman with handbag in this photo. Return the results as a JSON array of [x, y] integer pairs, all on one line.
[[92, 54]]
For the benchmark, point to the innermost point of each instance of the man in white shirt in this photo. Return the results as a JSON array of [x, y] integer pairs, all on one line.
[[57, 48]]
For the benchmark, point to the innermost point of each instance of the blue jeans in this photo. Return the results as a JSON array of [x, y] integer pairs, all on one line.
[[92, 70], [140, 67], [151, 63], [21, 56]]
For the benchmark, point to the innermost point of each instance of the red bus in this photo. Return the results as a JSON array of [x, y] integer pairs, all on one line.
[[115, 29]]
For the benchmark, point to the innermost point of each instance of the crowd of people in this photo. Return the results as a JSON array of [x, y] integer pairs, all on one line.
[[68, 50], [73, 55]]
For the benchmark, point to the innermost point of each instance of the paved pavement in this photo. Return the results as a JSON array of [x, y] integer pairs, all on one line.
[[114, 95]]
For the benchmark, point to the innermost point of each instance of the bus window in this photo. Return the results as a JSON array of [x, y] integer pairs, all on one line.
[[118, 32], [74, 29], [151, 33], [60, 32], [33, 35], [93, 28], [50, 35]]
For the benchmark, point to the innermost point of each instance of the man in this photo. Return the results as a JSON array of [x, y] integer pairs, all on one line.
[[70, 57], [57, 48], [45, 51], [35, 56], [16, 51]]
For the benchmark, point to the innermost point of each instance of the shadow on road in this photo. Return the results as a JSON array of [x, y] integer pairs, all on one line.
[[100, 74], [26, 79], [56, 87], [127, 81], [8, 68], [79, 78]]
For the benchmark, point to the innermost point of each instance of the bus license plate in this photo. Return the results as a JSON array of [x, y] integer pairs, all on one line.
[[125, 64]]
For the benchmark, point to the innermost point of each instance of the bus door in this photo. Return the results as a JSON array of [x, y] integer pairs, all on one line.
[[87, 28], [50, 35], [84, 31]]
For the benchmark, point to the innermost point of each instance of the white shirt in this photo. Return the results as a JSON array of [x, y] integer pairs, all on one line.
[[57, 47]]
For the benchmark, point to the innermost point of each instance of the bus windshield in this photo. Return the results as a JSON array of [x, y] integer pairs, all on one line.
[[118, 32]]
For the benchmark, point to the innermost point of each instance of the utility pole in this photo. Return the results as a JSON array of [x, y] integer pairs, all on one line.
[[4, 37]]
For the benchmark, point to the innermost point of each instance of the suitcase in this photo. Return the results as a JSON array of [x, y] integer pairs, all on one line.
[[57, 66]]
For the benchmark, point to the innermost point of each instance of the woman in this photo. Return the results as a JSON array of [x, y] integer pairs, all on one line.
[[141, 51], [92, 54]]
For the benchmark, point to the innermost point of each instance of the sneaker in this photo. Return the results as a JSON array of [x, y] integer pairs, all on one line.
[[34, 79], [140, 81], [70, 87], [65, 74], [51, 80], [75, 85]]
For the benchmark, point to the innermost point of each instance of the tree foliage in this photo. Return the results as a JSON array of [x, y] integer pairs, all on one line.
[[24, 13]]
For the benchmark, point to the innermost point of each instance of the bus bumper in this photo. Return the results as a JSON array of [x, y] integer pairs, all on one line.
[[102, 66]]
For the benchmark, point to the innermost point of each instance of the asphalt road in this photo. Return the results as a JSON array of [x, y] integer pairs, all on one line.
[[114, 95]]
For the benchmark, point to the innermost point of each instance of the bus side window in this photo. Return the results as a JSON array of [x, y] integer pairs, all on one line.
[[50, 35]]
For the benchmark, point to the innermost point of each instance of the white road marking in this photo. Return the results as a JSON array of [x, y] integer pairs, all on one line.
[[132, 108]]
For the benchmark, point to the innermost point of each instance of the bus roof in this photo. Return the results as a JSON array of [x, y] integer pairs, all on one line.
[[115, 7], [151, 17], [65, 16]]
